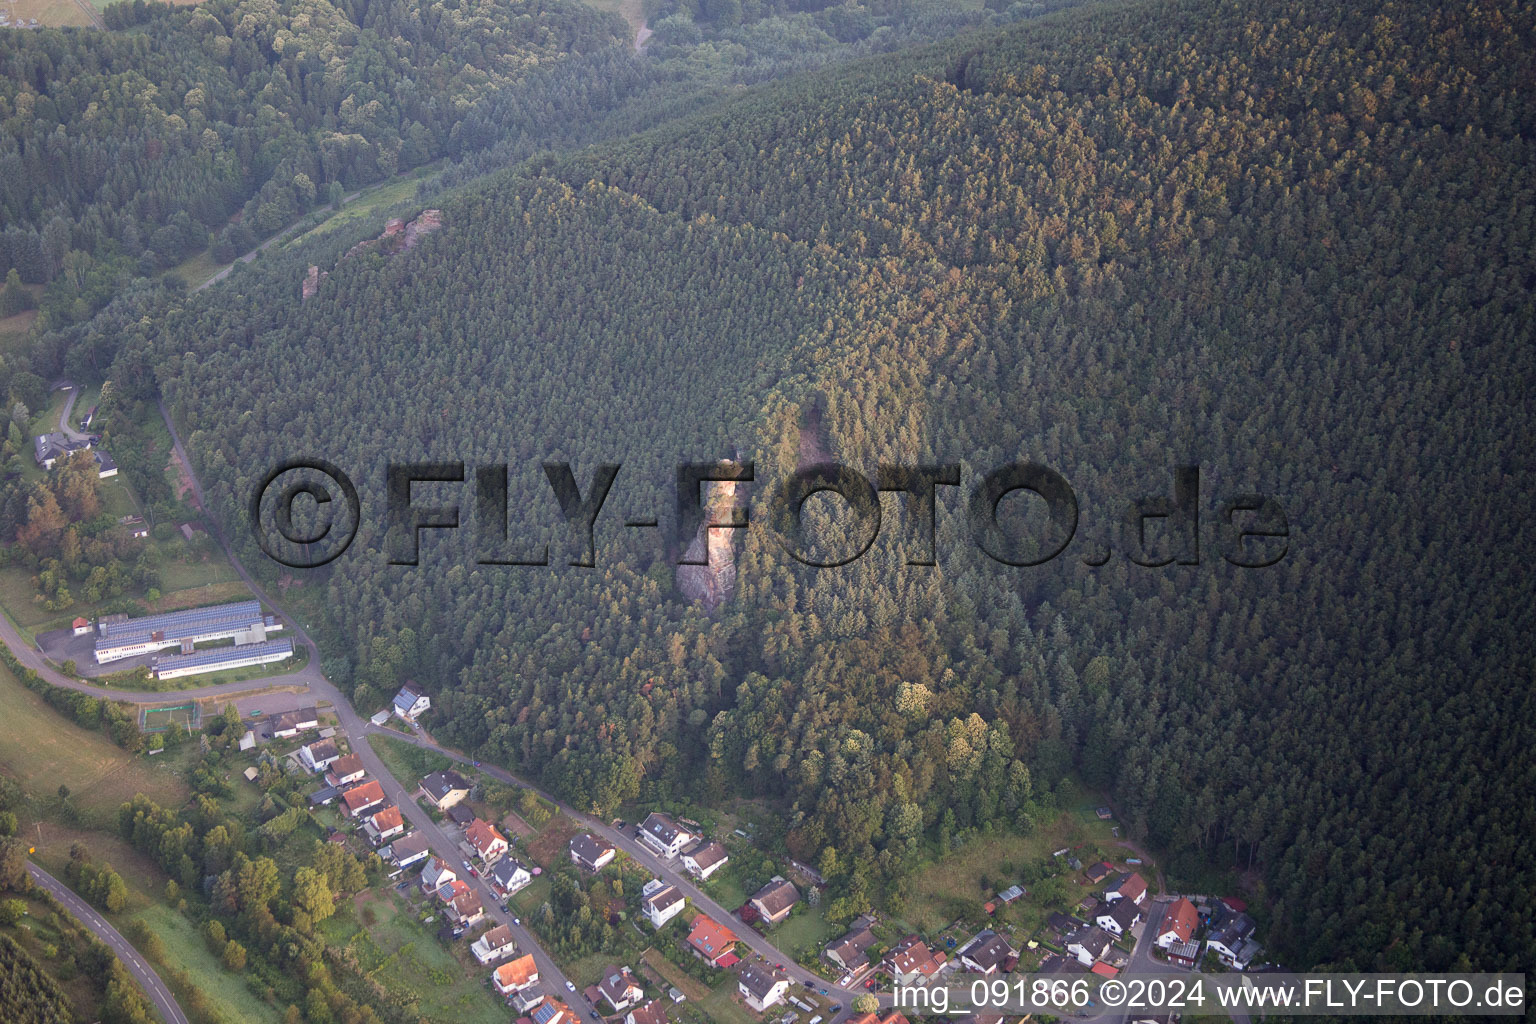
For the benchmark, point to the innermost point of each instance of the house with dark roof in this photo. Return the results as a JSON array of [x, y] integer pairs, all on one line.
[[760, 985], [663, 835], [320, 755], [1230, 937], [508, 876], [661, 902], [291, 723], [1096, 873], [775, 900], [704, 858], [590, 853], [444, 789], [1062, 924], [653, 1012], [1119, 917], [496, 944], [344, 771], [410, 703], [406, 850], [436, 874], [619, 988], [1088, 944], [851, 952], [987, 953]]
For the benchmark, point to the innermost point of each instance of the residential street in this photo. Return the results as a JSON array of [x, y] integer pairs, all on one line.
[[144, 974]]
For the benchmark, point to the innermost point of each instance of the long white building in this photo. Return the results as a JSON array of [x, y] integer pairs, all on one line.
[[220, 658], [240, 621]]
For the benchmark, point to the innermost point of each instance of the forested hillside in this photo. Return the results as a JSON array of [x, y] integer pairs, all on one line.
[[1288, 241], [122, 151]]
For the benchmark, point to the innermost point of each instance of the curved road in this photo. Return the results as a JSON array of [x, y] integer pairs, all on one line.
[[144, 974]]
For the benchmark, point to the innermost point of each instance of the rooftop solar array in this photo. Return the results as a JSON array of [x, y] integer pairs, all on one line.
[[170, 620], [219, 655]]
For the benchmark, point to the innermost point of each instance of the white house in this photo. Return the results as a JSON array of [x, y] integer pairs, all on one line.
[[760, 985], [410, 703], [384, 825], [987, 953], [1088, 944], [1118, 917], [344, 771], [1178, 923], [661, 902], [406, 850], [320, 755], [436, 874], [515, 975], [489, 844], [663, 835], [508, 876], [591, 853], [1231, 937], [494, 945], [1125, 886], [703, 859], [619, 988]]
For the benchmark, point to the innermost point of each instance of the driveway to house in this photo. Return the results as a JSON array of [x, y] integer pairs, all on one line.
[[144, 974], [69, 405]]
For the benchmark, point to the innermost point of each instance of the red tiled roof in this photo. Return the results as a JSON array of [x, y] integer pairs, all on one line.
[[1181, 920], [710, 938], [364, 794]]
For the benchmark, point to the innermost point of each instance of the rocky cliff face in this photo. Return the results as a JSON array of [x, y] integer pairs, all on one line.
[[712, 585]]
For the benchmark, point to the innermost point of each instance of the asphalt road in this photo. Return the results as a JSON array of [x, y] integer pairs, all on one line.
[[144, 974]]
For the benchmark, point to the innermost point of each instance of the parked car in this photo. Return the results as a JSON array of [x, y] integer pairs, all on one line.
[[570, 987]]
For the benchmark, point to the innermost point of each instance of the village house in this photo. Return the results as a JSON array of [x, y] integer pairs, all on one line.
[[1096, 873], [761, 986], [444, 789], [1178, 924], [410, 703], [774, 901], [1088, 944], [464, 908], [552, 1011], [515, 975], [320, 755], [291, 723], [663, 835], [653, 1012], [344, 771], [508, 876], [384, 825], [489, 844], [988, 953], [910, 960], [406, 850], [712, 942], [851, 952], [591, 853], [704, 858], [496, 944], [436, 874], [661, 902], [619, 988], [363, 798], [81, 626], [1119, 917], [1230, 937], [1127, 885]]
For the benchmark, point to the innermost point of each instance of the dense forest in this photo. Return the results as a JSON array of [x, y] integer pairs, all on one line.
[[122, 151], [1290, 242]]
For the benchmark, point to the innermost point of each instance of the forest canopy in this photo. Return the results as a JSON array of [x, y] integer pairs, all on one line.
[[1289, 242]]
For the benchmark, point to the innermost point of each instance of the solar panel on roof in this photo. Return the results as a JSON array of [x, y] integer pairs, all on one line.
[[167, 620], [222, 654]]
